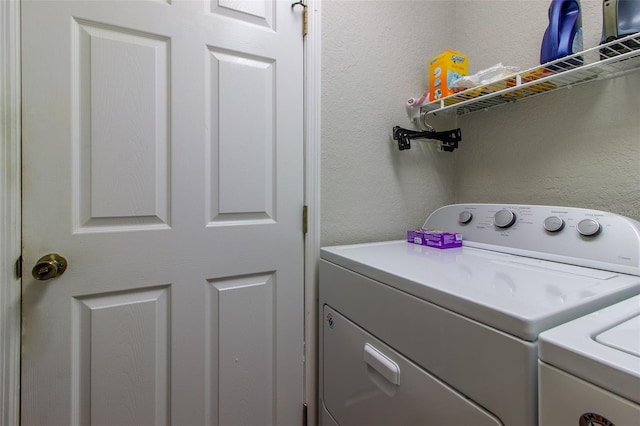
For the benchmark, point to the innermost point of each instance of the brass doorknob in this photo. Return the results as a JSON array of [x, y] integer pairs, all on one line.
[[49, 266]]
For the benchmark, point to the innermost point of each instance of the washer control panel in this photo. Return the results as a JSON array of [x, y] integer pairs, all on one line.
[[578, 236]]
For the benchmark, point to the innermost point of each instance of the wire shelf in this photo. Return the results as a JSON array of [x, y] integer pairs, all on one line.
[[604, 61]]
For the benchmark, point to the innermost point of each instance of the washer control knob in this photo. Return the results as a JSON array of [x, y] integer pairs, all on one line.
[[553, 224], [588, 227], [465, 217], [504, 218]]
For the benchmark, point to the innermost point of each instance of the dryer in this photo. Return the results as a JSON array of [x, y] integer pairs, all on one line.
[[590, 369], [411, 334]]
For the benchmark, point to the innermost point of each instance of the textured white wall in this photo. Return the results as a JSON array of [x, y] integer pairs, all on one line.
[[511, 31], [576, 147], [374, 57]]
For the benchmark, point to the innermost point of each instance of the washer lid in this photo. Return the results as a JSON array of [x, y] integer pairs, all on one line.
[[624, 337], [602, 348], [515, 294]]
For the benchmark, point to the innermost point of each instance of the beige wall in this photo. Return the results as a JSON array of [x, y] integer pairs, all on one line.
[[578, 147], [374, 57]]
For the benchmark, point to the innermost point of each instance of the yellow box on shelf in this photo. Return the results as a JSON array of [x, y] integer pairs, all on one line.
[[444, 69]]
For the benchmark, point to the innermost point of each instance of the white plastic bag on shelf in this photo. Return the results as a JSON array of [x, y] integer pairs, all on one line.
[[484, 77]]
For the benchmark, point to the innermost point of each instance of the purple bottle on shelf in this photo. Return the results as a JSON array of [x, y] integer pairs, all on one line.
[[564, 34]]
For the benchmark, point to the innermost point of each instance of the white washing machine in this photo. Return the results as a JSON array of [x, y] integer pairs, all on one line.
[[590, 369], [411, 334]]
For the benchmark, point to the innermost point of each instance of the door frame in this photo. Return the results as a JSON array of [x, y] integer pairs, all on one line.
[[10, 206], [312, 118], [10, 224]]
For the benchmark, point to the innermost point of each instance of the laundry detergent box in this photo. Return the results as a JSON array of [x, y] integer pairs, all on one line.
[[434, 238], [444, 69]]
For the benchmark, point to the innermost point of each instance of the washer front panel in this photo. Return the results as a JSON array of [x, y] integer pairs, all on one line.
[[358, 389], [569, 400]]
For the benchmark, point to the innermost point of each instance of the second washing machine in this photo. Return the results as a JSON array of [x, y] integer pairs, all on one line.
[[590, 369]]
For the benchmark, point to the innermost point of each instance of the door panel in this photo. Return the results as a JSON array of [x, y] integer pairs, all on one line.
[[162, 156], [122, 77], [244, 143], [121, 357], [245, 319], [258, 12]]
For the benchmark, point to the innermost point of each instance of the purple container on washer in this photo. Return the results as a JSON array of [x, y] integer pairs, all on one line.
[[434, 238]]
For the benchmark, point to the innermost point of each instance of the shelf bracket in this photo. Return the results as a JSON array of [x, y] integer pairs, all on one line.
[[448, 139]]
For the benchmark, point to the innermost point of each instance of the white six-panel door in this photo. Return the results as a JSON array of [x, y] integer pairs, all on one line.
[[162, 157]]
